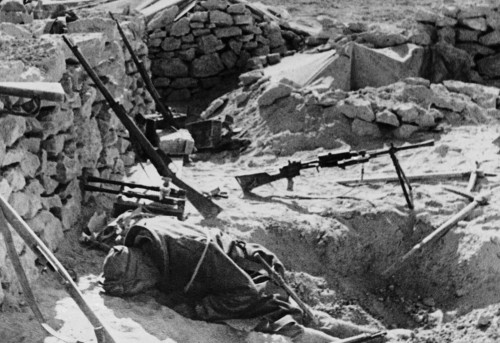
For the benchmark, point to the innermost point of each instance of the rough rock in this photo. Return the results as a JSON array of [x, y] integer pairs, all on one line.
[[445, 21], [209, 44], [251, 77], [408, 112], [365, 129], [12, 156], [15, 31], [15, 178], [383, 39], [236, 9], [485, 96], [387, 117], [404, 131], [273, 92], [220, 18], [225, 32], [180, 27], [174, 67], [29, 164], [12, 128], [357, 108], [199, 16], [448, 35], [48, 228], [95, 24], [464, 35], [450, 63], [70, 212], [493, 20], [473, 12], [67, 169], [229, 59], [489, 66], [475, 49], [490, 39], [207, 65], [5, 189], [426, 16], [170, 44], [215, 4], [163, 18], [478, 24]]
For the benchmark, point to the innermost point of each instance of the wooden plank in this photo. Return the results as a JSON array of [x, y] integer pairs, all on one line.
[[51, 91], [150, 11]]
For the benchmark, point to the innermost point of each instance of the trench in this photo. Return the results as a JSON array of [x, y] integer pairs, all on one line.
[[336, 264]]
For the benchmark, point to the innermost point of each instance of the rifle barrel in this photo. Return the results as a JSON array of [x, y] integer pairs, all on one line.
[[161, 162], [145, 76]]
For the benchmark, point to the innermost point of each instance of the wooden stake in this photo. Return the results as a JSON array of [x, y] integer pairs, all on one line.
[[436, 234]]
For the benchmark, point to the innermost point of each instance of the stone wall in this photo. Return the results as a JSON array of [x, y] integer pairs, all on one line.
[[41, 157], [213, 39], [467, 42]]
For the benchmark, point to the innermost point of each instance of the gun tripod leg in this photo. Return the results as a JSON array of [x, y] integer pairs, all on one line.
[[405, 184]]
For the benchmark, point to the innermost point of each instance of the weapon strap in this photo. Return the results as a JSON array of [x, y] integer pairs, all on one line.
[[200, 261], [21, 275]]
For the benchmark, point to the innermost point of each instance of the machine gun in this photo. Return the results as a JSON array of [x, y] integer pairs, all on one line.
[[161, 161], [338, 159]]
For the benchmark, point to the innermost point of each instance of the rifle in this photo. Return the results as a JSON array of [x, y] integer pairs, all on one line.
[[161, 161], [340, 159], [364, 337], [276, 277], [167, 114]]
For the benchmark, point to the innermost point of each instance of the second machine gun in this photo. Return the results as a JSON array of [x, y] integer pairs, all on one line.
[[338, 159]]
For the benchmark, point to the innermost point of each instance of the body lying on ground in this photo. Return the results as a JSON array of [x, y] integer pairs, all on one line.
[[211, 276]]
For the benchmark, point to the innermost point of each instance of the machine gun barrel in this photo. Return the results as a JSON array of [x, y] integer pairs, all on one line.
[[161, 161]]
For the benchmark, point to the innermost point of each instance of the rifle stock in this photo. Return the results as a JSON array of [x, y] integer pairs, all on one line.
[[161, 161]]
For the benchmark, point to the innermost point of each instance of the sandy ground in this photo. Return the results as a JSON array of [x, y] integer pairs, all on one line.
[[322, 229]]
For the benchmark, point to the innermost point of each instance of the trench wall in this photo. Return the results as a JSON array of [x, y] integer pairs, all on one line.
[[42, 157], [215, 38]]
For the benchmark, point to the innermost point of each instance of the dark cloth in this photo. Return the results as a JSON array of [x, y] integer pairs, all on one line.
[[230, 283]]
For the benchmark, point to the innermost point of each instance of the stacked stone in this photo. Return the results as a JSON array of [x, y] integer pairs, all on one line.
[[215, 38], [319, 115], [42, 157], [473, 31]]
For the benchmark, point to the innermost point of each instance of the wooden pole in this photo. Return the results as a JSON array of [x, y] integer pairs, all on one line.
[[416, 177], [39, 248]]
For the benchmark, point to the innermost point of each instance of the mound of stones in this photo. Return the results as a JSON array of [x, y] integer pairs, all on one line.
[[319, 116], [41, 157], [216, 37]]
